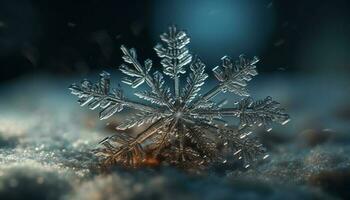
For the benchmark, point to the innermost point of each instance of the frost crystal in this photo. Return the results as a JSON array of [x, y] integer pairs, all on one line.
[[184, 128]]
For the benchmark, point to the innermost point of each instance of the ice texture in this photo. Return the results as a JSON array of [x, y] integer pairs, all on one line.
[[184, 127]]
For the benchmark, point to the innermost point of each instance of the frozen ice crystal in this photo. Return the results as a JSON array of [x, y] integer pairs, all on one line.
[[185, 128]]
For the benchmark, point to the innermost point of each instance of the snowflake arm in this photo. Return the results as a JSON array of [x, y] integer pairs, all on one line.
[[100, 95], [262, 112], [244, 148], [175, 55], [140, 119], [165, 137], [233, 140], [205, 146], [159, 94], [233, 77], [194, 82], [126, 152]]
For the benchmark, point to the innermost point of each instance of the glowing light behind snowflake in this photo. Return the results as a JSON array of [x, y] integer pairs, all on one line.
[[231, 26]]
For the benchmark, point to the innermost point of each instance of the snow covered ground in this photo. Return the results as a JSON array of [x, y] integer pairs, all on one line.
[[46, 138]]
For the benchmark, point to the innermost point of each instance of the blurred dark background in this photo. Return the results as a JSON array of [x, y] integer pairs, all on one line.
[[68, 37], [46, 138]]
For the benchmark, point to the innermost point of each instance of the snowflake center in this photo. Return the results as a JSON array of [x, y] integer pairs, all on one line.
[[178, 114]]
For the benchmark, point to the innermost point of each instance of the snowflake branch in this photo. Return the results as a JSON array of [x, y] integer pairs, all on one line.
[[180, 130], [262, 112], [140, 119], [159, 95], [99, 95], [194, 82], [162, 95], [232, 77], [175, 55], [244, 148], [165, 136], [147, 133], [204, 145]]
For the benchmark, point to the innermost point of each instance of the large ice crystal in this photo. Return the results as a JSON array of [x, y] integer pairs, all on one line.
[[184, 127]]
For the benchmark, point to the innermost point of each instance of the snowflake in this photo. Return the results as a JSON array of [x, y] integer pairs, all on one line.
[[184, 128]]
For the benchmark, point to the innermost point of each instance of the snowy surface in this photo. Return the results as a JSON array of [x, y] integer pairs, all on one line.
[[46, 138]]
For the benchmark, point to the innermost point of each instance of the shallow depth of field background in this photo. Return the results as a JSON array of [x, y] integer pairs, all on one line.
[[46, 138]]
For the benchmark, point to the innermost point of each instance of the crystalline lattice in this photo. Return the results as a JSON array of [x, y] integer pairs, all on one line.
[[184, 126]]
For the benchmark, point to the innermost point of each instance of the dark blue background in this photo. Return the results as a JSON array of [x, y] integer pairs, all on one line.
[[65, 37]]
